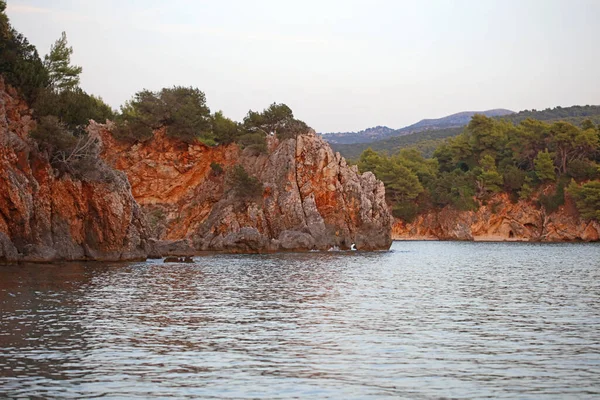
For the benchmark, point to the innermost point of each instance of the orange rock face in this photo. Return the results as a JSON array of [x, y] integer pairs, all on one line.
[[311, 199], [500, 220], [46, 218]]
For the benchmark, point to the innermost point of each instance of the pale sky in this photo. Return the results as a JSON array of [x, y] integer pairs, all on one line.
[[340, 65]]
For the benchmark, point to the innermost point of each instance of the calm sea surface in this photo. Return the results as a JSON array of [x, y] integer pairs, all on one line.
[[423, 321]]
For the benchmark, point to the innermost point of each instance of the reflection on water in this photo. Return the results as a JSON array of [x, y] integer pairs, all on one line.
[[426, 320]]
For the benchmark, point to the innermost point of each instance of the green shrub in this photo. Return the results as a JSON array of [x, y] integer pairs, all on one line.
[[224, 129], [216, 168], [587, 199], [525, 192], [207, 141], [74, 108], [256, 142], [244, 186]]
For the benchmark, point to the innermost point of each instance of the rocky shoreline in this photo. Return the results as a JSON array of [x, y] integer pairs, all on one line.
[[500, 220], [165, 197]]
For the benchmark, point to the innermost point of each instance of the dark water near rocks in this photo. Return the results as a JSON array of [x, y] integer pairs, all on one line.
[[424, 321]]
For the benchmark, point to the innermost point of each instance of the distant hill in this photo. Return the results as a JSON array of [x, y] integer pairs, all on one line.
[[382, 132], [451, 121], [364, 136], [429, 139]]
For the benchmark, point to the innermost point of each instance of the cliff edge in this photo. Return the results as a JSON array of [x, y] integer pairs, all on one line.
[[44, 217]]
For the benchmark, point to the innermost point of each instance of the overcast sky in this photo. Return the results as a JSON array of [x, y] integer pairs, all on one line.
[[340, 65]]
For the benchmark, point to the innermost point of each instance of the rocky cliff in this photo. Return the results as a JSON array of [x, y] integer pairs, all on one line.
[[44, 217], [311, 198], [500, 220]]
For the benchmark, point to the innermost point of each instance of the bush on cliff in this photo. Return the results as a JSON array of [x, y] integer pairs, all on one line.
[[216, 168], [256, 142], [73, 107], [244, 186], [182, 111], [225, 130], [77, 156]]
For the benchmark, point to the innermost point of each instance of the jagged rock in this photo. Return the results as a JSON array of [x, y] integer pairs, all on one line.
[[295, 240], [47, 218], [311, 200]]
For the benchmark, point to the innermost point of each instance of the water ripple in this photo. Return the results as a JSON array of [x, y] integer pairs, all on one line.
[[423, 321]]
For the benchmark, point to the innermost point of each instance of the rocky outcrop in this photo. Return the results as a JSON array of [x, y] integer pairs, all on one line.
[[311, 198], [48, 218], [500, 220]]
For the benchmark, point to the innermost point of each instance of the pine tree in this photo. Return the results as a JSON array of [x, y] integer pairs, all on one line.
[[63, 75], [544, 166]]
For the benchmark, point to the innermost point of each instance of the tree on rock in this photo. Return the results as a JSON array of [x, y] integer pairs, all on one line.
[[181, 110], [62, 75], [277, 119]]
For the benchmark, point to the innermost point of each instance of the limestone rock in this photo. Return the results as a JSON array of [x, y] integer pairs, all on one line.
[[500, 220], [311, 200]]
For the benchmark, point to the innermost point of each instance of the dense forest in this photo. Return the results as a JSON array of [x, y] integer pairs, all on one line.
[[427, 141], [531, 160], [63, 110]]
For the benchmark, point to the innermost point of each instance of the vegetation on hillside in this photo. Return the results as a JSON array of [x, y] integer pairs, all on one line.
[[574, 114], [493, 156], [183, 113], [427, 141]]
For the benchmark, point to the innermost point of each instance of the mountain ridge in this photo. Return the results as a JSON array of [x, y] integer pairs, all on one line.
[[380, 132]]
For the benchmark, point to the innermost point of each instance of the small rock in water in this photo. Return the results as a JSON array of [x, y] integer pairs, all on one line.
[[173, 259]]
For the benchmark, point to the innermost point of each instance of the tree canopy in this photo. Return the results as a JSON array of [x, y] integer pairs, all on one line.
[[20, 64], [182, 111], [61, 74], [490, 156], [277, 119]]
